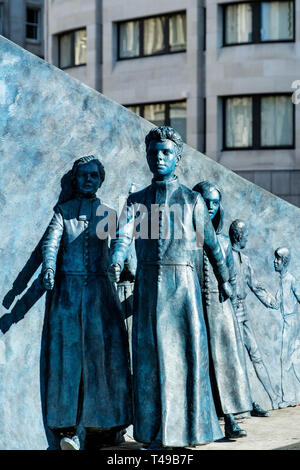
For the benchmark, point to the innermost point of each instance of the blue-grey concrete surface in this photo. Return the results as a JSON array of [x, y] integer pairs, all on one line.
[[47, 120]]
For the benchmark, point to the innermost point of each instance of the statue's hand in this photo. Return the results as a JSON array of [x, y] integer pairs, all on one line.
[[274, 304], [227, 290], [48, 279], [114, 272]]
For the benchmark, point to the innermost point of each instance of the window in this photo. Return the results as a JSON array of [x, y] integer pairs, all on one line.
[[152, 36], [255, 22], [33, 24], [277, 21], [238, 23], [164, 114], [72, 48], [258, 122]]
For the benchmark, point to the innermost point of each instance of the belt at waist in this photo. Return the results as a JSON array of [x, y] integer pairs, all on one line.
[[164, 263], [73, 273]]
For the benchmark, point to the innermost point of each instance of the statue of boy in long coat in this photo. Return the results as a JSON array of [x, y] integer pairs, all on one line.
[[170, 223]]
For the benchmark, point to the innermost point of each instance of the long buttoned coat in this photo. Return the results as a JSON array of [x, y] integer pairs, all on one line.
[[172, 392], [225, 340], [88, 358]]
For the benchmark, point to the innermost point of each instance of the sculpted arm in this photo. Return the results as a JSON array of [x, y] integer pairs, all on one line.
[[50, 247], [265, 297], [232, 271], [296, 290], [121, 243]]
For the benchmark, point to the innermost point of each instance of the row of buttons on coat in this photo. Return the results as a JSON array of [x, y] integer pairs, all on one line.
[[159, 250], [206, 279], [86, 251]]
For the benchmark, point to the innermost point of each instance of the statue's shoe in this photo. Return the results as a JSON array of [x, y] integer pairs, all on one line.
[[233, 431], [156, 445], [276, 402], [258, 411], [70, 443]]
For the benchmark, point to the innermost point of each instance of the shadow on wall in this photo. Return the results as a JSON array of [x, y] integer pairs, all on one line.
[[31, 296], [36, 290]]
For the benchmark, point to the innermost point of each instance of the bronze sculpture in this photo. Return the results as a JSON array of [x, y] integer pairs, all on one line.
[[288, 297], [88, 364], [225, 340], [172, 395], [238, 233]]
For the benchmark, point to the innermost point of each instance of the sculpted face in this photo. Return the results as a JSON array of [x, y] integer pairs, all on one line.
[[243, 237], [162, 159], [88, 179], [212, 201], [278, 263]]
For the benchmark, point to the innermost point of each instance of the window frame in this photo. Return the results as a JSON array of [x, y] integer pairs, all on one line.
[[38, 24], [141, 20], [2, 16], [167, 108], [256, 23], [71, 31], [256, 123]]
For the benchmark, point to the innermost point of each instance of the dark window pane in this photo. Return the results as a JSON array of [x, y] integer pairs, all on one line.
[[178, 118], [154, 35], [80, 47], [177, 32], [66, 50], [32, 23], [238, 131], [129, 37], [238, 23], [32, 15], [156, 113], [276, 121], [31, 32], [277, 20]]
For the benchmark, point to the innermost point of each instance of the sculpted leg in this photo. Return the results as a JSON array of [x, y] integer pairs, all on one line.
[[260, 369]]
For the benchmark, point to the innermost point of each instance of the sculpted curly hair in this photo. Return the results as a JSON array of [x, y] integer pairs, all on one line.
[[158, 134]]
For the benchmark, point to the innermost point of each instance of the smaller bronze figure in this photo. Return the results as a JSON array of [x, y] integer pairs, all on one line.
[[288, 297], [88, 358], [227, 348], [238, 233]]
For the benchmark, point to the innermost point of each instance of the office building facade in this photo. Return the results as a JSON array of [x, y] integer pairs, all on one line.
[[22, 21], [221, 72]]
